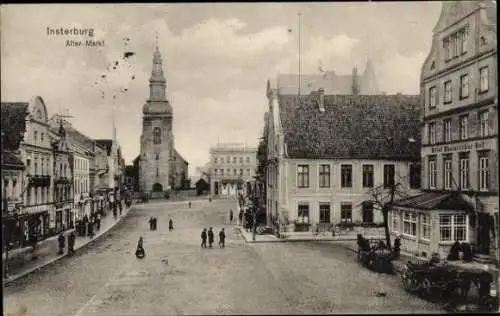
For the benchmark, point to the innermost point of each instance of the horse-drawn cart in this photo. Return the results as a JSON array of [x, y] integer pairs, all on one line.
[[374, 255], [444, 283]]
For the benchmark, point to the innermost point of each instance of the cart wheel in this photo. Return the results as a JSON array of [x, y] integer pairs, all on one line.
[[488, 304], [426, 287]]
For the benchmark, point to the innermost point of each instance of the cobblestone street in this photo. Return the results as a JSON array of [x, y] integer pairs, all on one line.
[[267, 278]]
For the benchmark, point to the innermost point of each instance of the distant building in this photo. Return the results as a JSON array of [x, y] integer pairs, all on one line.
[[330, 82], [459, 114], [180, 176], [325, 152], [131, 175], [232, 168]]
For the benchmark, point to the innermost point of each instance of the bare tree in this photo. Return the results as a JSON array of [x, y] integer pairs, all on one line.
[[383, 197]]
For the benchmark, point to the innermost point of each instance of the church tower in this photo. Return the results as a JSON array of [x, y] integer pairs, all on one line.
[[157, 140]]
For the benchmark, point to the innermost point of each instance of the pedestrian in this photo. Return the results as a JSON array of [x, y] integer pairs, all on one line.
[[204, 238], [151, 223], [189, 204], [71, 242], [222, 238], [230, 216], [140, 252], [240, 217], [170, 225], [155, 223], [98, 221], [210, 237], [61, 243], [91, 228]]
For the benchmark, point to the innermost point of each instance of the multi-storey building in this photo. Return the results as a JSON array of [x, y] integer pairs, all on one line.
[[326, 153], [99, 168], [13, 126], [459, 114], [62, 179], [232, 168]]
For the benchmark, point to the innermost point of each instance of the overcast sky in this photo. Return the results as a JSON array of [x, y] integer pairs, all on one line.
[[217, 58]]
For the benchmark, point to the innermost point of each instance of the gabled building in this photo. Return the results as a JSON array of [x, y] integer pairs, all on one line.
[[332, 83], [459, 115], [325, 152]]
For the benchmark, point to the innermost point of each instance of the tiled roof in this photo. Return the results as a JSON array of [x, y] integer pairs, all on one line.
[[79, 137], [105, 143], [351, 127], [436, 201], [11, 161], [13, 123]]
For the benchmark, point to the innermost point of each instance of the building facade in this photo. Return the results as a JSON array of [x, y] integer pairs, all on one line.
[[157, 139], [232, 168], [100, 169], [459, 114], [180, 172], [332, 83], [322, 168], [63, 182]]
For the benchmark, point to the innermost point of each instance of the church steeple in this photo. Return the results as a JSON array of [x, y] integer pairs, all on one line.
[[157, 82]]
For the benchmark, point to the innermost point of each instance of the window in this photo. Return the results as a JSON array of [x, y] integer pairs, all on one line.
[[463, 127], [303, 213], [367, 176], [215, 160], [389, 174], [228, 171], [324, 176], [446, 45], [367, 212], [42, 165], [414, 176], [453, 228], [234, 160], [157, 172], [346, 212], [157, 156], [248, 159], [447, 92], [157, 135], [234, 172], [222, 172], [346, 176], [447, 130], [464, 172], [432, 173], [455, 48], [432, 97], [241, 172], [303, 176], [216, 171], [410, 223], [425, 226], [483, 123], [395, 221], [432, 133], [464, 86], [241, 160], [324, 213], [484, 177], [447, 167], [484, 82], [463, 40], [228, 160], [41, 137], [36, 168]]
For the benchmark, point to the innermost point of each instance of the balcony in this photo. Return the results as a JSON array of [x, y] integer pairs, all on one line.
[[39, 180], [62, 180]]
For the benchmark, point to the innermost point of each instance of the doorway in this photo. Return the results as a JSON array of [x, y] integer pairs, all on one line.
[[484, 223], [157, 187], [216, 188]]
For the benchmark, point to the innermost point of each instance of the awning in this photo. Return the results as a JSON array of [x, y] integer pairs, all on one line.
[[437, 201]]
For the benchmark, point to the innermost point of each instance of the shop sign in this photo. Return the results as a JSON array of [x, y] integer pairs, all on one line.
[[37, 209], [459, 147]]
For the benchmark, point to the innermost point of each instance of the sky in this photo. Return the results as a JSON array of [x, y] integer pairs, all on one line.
[[217, 59]]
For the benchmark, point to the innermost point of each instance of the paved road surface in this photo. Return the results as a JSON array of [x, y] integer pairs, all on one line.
[[268, 278]]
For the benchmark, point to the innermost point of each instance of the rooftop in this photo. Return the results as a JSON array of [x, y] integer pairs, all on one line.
[[351, 127]]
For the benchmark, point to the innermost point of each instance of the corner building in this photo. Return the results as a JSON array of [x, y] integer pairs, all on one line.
[[459, 115]]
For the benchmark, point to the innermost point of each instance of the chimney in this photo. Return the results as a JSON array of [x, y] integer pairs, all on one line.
[[355, 81], [321, 101]]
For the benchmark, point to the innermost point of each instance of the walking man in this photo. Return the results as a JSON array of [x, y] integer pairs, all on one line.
[[240, 216], [222, 238], [204, 238], [71, 242], [230, 216], [170, 225], [210, 237], [62, 241]]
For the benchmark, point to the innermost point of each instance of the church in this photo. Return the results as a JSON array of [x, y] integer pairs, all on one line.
[[161, 167]]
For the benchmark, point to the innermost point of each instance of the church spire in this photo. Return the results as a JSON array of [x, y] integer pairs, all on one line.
[[157, 82]]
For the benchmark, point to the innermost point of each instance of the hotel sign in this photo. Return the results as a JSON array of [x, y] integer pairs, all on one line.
[[459, 147]]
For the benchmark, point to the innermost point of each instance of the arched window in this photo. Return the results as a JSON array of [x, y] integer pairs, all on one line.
[[157, 135]]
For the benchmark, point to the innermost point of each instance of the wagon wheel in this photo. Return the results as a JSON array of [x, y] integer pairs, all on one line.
[[410, 283], [426, 287]]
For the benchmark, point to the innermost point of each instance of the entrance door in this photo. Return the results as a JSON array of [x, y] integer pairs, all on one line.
[[157, 187], [216, 188], [483, 233]]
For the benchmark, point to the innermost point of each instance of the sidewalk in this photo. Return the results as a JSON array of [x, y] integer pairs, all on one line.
[[46, 252], [290, 236]]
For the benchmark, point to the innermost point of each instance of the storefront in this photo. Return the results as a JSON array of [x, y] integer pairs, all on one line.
[[431, 222]]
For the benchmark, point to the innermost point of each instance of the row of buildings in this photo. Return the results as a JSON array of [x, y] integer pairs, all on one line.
[[52, 174], [337, 147]]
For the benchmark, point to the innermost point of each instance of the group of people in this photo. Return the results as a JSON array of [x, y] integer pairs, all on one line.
[[153, 224], [210, 235]]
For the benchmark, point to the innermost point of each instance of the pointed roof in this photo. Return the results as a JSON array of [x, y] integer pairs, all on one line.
[[453, 11]]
